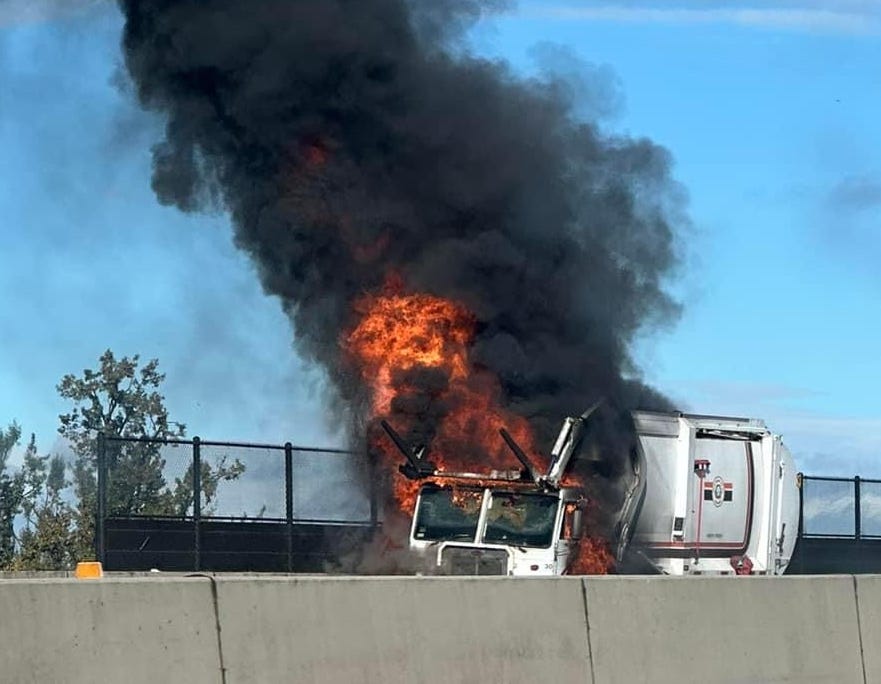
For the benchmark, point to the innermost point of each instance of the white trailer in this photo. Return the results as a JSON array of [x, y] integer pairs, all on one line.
[[720, 495]]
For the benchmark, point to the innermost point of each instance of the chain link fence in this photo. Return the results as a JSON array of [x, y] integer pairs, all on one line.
[[837, 507], [192, 504]]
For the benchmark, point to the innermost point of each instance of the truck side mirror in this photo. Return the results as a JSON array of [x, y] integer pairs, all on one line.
[[577, 523]]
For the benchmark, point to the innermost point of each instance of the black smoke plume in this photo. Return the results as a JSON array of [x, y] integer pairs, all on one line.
[[349, 139]]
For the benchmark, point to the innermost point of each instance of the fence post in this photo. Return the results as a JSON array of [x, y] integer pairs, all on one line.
[[856, 507], [800, 480], [289, 501], [197, 503], [100, 507]]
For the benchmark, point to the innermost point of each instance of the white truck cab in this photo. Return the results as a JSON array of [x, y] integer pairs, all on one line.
[[517, 522], [496, 530]]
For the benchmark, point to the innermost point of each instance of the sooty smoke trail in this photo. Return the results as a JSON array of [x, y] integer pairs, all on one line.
[[351, 139]]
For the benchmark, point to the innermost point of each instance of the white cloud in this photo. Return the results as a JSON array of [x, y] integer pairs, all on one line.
[[841, 17], [870, 506], [835, 515], [839, 508]]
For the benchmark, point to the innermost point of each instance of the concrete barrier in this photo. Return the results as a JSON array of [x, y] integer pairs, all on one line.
[[323, 629], [413, 629], [745, 630], [869, 602], [108, 630]]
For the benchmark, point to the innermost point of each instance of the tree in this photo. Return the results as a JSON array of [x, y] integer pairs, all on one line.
[[11, 488], [46, 539], [180, 501], [122, 400], [119, 400]]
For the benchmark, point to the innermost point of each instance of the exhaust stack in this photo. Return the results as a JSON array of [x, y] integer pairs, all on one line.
[[417, 465]]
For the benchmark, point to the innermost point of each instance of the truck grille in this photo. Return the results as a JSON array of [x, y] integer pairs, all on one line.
[[466, 560]]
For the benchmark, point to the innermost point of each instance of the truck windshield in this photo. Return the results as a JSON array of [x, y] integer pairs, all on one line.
[[448, 514], [521, 519]]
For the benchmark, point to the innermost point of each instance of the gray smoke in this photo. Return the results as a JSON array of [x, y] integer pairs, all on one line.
[[353, 138]]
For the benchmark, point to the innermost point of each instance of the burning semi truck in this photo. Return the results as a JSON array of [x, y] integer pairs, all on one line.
[[701, 495]]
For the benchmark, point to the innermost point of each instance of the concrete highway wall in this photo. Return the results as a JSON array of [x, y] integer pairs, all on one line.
[[384, 630]]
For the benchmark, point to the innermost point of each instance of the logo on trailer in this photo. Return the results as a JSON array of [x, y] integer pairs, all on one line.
[[718, 491]]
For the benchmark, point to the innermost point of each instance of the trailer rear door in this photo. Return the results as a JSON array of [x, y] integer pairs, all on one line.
[[722, 501]]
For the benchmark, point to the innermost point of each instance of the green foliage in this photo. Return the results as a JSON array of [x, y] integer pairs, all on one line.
[[47, 534], [180, 501], [11, 488], [43, 527], [121, 400], [37, 522]]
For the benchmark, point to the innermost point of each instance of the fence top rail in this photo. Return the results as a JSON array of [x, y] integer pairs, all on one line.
[[244, 445], [238, 519], [845, 536], [826, 478]]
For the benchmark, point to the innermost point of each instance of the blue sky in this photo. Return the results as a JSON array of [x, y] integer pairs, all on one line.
[[769, 110]]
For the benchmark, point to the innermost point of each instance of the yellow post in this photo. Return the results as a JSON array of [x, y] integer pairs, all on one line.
[[89, 570]]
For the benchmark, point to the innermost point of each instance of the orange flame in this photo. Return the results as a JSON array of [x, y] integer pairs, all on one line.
[[402, 335], [400, 332], [594, 557]]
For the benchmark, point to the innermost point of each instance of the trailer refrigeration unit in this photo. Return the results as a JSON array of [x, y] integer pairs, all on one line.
[[703, 495]]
